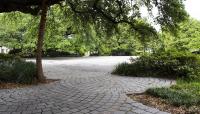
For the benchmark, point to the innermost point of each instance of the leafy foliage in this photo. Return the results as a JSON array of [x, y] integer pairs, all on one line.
[[163, 64], [64, 35], [186, 39]]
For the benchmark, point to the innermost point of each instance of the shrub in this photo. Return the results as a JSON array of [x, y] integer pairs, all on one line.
[[17, 71], [165, 64], [6, 72], [8, 57], [121, 52], [15, 51]]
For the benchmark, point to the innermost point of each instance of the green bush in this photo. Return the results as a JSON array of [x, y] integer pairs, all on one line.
[[121, 52], [6, 71], [8, 57], [17, 71], [165, 64]]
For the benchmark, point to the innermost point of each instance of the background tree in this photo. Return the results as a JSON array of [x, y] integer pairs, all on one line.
[[187, 37]]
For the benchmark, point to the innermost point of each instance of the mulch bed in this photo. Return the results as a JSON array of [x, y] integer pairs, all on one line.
[[4, 85], [163, 105]]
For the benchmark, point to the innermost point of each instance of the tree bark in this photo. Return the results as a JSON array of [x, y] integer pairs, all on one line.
[[41, 31]]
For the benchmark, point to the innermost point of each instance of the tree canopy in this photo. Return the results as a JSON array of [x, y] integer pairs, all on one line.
[[26, 6], [107, 11], [187, 38]]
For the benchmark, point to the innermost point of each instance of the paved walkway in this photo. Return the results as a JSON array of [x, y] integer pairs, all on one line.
[[86, 87]]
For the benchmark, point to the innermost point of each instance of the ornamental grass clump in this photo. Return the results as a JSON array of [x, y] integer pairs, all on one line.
[[15, 70]]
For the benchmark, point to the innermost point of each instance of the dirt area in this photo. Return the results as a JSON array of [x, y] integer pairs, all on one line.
[[11, 85], [4, 85]]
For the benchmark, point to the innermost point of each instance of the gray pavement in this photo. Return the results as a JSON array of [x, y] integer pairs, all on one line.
[[86, 87]]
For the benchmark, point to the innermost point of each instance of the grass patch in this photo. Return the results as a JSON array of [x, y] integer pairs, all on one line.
[[182, 94], [163, 105]]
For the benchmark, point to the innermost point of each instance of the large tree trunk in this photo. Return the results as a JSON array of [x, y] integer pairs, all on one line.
[[40, 74]]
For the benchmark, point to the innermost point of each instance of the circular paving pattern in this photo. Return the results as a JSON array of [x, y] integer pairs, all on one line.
[[86, 87]]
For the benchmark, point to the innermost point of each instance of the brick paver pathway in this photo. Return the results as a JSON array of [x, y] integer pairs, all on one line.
[[86, 87]]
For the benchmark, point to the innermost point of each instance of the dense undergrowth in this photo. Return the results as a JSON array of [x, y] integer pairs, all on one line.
[[16, 70]]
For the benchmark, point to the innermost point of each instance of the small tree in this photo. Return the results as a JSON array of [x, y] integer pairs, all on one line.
[[40, 74]]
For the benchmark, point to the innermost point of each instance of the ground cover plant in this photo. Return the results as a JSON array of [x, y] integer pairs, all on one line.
[[15, 70], [186, 94]]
